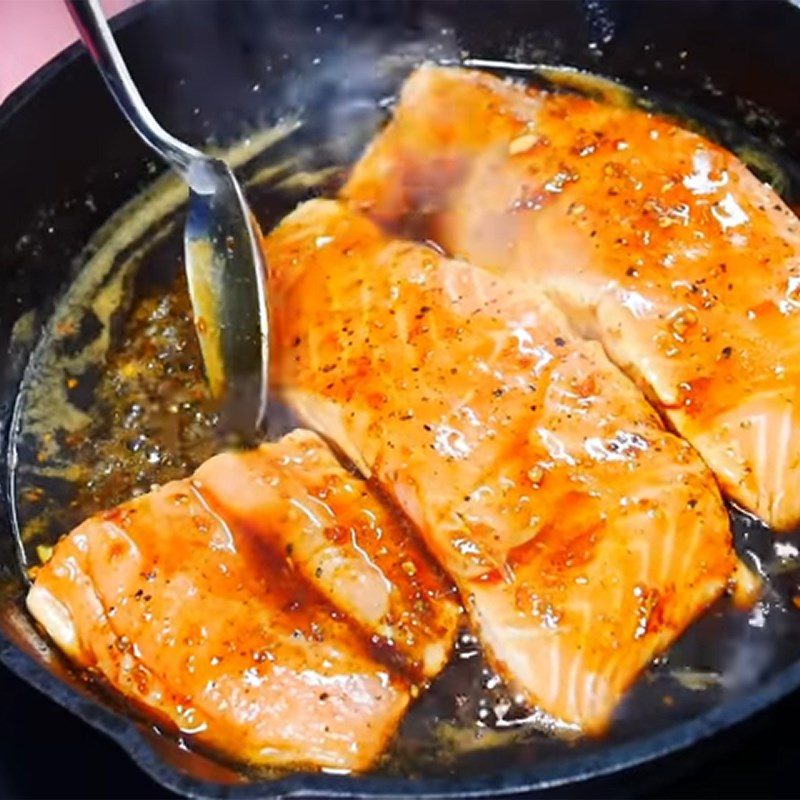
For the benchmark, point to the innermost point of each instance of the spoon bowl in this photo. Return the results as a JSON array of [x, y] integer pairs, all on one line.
[[226, 277]]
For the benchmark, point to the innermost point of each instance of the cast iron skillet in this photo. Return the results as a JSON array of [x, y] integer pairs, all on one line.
[[69, 161]]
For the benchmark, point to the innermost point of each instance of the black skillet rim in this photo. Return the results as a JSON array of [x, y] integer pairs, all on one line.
[[125, 732]]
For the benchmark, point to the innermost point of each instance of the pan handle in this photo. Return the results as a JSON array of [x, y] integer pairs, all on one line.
[[96, 35]]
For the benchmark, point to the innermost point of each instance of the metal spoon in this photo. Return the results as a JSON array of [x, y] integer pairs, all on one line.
[[224, 263]]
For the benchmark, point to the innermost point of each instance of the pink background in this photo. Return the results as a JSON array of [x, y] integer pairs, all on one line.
[[32, 32]]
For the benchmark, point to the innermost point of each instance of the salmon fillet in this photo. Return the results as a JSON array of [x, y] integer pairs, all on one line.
[[651, 239], [198, 617], [296, 497], [582, 536]]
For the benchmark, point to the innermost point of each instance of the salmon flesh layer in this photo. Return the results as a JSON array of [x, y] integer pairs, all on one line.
[[254, 607], [582, 535], [652, 240]]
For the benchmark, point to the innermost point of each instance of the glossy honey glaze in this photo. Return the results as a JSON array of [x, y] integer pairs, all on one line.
[[254, 606], [653, 240], [582, 535], [113, 403], [211, 632], [338, 536]]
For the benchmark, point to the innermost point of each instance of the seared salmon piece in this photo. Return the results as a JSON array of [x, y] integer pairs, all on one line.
[[652, 239], [296, 497], [582, 536], [202, 625]]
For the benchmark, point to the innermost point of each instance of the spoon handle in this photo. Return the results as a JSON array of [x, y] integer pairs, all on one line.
[[96, 35]]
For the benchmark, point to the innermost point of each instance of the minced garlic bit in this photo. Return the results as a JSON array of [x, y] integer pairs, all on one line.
[[522, 144], [44, 552], [410, 568], [535, 475]]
